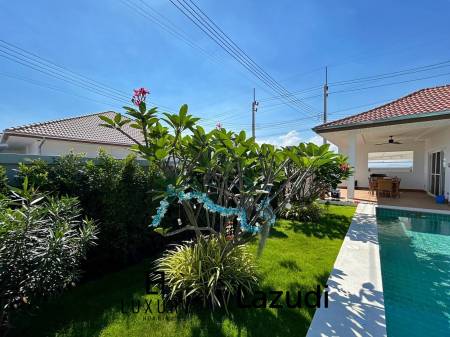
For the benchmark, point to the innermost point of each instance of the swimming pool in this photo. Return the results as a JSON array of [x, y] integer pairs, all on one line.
[[415, 267]]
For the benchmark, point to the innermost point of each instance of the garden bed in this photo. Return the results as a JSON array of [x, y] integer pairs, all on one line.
[[297, 256]]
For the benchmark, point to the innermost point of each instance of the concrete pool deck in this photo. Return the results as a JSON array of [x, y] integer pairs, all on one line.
[[356, 302]]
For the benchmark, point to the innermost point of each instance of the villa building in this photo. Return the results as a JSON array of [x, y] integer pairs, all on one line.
[[82, 134], [408, 138]]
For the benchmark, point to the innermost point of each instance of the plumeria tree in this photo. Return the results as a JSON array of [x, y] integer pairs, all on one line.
[[324, 177], [224, 181]]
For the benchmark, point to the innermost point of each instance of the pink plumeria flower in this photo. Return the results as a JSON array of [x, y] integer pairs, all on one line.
[[139, 96]]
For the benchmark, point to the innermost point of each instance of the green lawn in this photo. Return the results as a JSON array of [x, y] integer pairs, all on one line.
[[297, 256]]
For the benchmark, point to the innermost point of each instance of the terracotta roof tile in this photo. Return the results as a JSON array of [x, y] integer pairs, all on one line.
[[82, 128], [424, 101]]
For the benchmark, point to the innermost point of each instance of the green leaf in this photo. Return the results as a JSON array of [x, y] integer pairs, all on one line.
[[107, 120], [183, 110], [160, 154]]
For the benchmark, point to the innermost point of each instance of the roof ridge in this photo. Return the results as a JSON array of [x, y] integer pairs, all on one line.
[[384, 105], [435, 87], [20, 127]]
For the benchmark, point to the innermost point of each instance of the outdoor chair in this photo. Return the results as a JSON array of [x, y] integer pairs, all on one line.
[[396, 187], [373, 185], [384, 187]]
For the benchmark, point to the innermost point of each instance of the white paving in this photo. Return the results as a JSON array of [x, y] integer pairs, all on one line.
[[356, 305]]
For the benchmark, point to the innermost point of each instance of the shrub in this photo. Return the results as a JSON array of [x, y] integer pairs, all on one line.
[[311, 212], [116, 193], [210, 270], [68, 175], [36, 172], [43, 241], [3, 181]]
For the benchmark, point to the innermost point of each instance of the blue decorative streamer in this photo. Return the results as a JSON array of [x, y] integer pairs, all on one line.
[[264, 209]]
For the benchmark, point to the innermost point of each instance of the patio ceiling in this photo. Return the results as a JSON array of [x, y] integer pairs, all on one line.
[[404, 133]]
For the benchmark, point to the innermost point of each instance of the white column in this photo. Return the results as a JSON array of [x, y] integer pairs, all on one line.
[[352, 162]]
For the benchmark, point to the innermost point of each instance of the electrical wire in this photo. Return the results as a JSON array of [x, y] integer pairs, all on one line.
[[387, 84], [414, 70], [371, 78], [212, 30], [35, 62]]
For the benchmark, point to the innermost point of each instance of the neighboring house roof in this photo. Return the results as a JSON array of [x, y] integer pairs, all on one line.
[[79, 129], [429, 102]]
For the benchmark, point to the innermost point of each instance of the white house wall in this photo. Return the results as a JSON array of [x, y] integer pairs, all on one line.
[[55, 147], [410, 180], [440, 141]]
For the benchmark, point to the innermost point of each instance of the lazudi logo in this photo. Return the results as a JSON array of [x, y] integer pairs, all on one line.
[[147, 306], [258, 300], [275, 299]]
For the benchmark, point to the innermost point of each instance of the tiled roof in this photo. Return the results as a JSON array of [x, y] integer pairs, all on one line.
[[418, 103], [83, 129]]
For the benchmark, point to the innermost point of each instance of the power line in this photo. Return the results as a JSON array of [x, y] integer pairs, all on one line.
[[316, 87], [212, 30], [54, 74], [227, 38], [371, 78], [47, 63], [394, 73], [165, 24], [388, 84], [283, 123], [35, 62], [51, 87]]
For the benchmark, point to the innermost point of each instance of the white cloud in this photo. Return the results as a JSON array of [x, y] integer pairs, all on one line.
[[293, 138], [290, 138], [319, 141]]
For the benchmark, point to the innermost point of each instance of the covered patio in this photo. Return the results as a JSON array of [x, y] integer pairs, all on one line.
[[414, 199], [407, 140]]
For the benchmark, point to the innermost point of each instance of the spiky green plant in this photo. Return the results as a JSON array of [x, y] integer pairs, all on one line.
[[210, 269], [42, 243]]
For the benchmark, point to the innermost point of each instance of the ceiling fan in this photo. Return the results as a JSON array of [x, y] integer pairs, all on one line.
[[390, 141]]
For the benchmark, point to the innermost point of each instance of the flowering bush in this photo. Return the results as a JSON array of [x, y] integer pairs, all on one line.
[[222, 177]]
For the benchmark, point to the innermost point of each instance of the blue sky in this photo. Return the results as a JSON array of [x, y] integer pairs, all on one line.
[[111, 43]]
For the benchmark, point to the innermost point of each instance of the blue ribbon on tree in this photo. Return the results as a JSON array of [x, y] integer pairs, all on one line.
[[264, 209]]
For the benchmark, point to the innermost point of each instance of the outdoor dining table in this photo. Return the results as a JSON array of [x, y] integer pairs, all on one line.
[[385, 185]]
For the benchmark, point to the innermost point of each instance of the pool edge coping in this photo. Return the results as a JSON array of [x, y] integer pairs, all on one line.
[[357, 268], [415, 209]]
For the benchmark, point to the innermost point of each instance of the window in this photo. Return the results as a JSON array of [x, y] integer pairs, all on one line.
[[395, 161]]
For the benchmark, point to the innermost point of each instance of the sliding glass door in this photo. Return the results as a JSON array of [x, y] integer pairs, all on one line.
[[436, 183]]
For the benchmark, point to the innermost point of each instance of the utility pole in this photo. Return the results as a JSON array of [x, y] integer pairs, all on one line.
[[325, 99], [254, 109]]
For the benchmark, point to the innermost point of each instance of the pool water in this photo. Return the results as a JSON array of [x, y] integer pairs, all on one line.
[[415, 266]]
